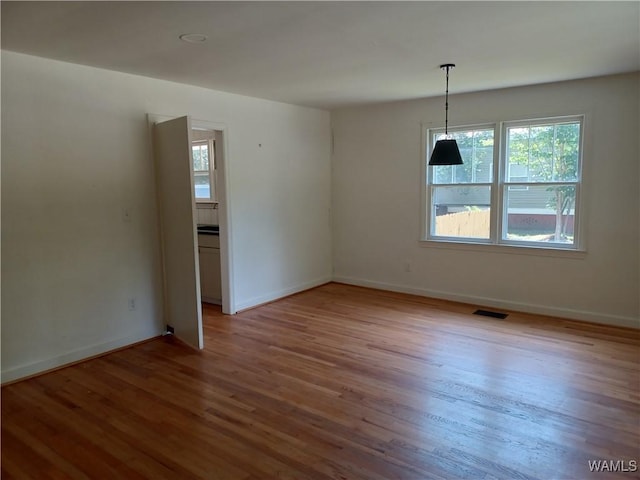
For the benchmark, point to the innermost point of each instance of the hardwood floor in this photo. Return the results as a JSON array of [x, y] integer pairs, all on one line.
[[340, 382]]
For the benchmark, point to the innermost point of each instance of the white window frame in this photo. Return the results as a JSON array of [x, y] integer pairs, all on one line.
[[428, 230], [498, 185], [213, 198]]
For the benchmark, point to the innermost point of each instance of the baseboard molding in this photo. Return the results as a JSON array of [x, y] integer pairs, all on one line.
[[272, 296], [586, 316], [35, 368], [21, 372]]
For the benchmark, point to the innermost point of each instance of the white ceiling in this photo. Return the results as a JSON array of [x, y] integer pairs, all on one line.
[[331, 54]]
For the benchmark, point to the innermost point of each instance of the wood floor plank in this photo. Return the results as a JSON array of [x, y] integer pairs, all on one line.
[[340, 382]]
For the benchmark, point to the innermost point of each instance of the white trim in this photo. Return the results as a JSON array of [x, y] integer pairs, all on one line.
[[425, 213], [514, 248], [270, 297], [499, 185], [83, 353], [579, 223], [592, 317], [223, 194], [223, 167]]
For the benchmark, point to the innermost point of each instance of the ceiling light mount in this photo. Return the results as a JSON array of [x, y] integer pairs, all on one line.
[[193, 37], [446, 152]]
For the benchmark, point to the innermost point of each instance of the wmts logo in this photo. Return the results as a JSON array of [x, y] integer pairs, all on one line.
[[613, 466]]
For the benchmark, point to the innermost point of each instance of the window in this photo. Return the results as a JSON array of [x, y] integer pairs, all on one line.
[[519, 185], [460, 195], [203, 170]]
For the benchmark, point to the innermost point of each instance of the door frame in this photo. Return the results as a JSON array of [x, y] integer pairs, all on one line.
[[224, 207]]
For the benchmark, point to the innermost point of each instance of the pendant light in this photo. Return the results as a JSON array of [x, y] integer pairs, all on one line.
[[445, 152]]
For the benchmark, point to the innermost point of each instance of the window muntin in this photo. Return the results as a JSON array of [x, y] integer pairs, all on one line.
[[534, 187]]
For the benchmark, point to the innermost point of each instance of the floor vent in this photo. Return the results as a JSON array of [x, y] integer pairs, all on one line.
[[488, 313]]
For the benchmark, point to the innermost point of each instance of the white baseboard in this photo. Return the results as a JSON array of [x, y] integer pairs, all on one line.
[[270, 297], [21, 371], [41, 366], [586, 316]]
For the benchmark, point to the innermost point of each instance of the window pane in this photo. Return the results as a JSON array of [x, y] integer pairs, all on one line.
[[566, 152], [540, 213], [204, 153], [476, 149], [461, 211], [200, 157], [540, 153], [543, 153], [202, 185]]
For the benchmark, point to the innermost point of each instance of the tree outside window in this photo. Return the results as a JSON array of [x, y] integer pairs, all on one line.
[[548, 158], [519, 187]]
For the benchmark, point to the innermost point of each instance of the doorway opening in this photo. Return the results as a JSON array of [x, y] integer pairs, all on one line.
[[216, 211], [192, 186]]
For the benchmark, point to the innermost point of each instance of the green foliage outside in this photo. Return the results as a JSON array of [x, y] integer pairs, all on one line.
[[549, 153], [200, 158], [476, 149], [536, 154]]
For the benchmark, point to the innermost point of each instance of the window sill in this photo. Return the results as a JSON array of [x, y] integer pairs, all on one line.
[[505, 248]]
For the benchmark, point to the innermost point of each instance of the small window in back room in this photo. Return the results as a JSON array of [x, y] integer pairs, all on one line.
[[203, 170]]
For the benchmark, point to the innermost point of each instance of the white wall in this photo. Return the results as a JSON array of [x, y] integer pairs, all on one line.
[[207, 213], [376, 204], [76, 152]]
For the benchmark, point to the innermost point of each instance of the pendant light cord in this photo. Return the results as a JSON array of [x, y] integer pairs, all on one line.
[[447, 67], [446, 107]]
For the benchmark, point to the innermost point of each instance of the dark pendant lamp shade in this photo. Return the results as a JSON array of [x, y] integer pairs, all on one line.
[[446, 152]]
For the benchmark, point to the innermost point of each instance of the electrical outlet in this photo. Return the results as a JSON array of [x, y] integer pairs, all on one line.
[[407, 266], [132, 304]]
